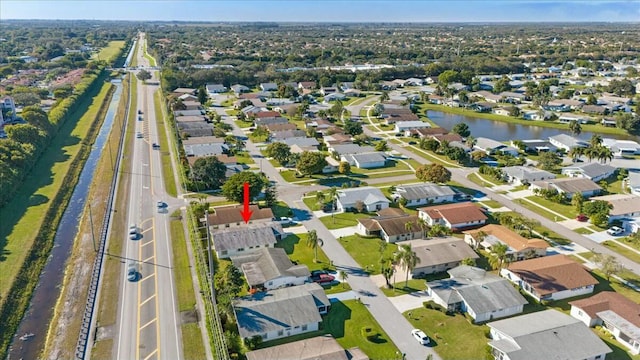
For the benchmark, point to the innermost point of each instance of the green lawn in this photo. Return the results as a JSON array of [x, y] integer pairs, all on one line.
[[583, 231], [538, 210], [492, 204], [336, 287], [281, 209], [167, 166], [340, 220], [413, 286], [564, 209], [244, 158], [296, 247], [192, 341], [346, 322], [632, 255], [110, 53], [473, 177], [365, 251], [453, 337], [244, 124], [311, 203]]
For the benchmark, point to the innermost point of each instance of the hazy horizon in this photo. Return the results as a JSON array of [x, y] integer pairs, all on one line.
[[457, 11]]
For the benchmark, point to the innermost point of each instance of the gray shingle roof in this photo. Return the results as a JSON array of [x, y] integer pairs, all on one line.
[[482, 291], [205, 149], [352, 149], [488, 144], [368, 157], [366, 194], [527, 173], [590, 170], [268, 264], [441, 251], [423, 191], [301, 141], [279, 309], [247, 236], [547, 334]]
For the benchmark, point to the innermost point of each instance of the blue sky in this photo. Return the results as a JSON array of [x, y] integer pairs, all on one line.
[[328, 10]]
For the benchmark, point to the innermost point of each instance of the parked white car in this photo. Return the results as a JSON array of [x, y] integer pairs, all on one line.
[[615, 231], [420, 336]]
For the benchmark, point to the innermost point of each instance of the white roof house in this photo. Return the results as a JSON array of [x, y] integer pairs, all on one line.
[[215, 88], [372, 198], [402, 126], [566, 142], [547, 334], [593, 171], [621, 147], [520, 175], [425, 193]]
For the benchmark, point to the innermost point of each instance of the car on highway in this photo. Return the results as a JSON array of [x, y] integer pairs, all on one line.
[[139, 118], [139, 135], [156, 146], [132, 271], [321, 277], [615, 231], [133, 231], [420, 336], [140, 112], [161, 205], [582, 218]]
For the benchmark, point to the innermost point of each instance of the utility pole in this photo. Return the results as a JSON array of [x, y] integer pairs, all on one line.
[[93, 237]]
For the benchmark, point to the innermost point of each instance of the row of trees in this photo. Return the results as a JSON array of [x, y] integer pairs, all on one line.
[[25, 143]]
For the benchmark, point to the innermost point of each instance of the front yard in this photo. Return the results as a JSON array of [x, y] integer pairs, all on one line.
[[453, 337], [299, 252], [413, 286], [366, 251], [341, 220]]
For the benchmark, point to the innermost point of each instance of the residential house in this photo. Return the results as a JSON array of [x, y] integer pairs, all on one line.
[[414, 82], [198, 112], [550, 278], [328, 90], [239, 89], [490, 147], [347, 85], [595, 109], [211, 149], [436, 99], [524, 175], [213, 89], [280, 127], [315, 348], [483, 106], [195, 129], [487, 96], [368, 160], [512, 97], [191, 105], [570, 103], [633, 182], [306, 87], [281, 136], [372, 198], [309, 144], [190, 118], [457, 216], [349, 149], [7, 109], [268, 86], [233, 241], [615, 313], [482, 295], [180, 91], [423, 194], [332, 166], [391, 228], [547, 334], [622, 148], [425, 132], [518, 247], [402, 126], [282, 312], [569, 117], [230, 216], [593, 171], [270, 268], [625, 206], [569, 186], [566, 142], [334, 97], [439, 255], [536, 115], [502, 111], [536, 145], [393, 115], [188, 97]]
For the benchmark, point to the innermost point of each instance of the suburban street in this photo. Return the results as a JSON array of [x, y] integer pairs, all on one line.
[[148, 324], [392, 321]]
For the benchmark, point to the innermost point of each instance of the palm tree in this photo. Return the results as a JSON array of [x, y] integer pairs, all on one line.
[[470, 141], [343, 277], [423, 225], [576, 152], [577, 201], [408, 226], [408, 259], [333, 194], [603, 184], [387, 271], [384, 96], [381, 249], [604, 154], [479, 238], [468, 261], [575, 127], [498, 256], [314, 242], [320, 199]]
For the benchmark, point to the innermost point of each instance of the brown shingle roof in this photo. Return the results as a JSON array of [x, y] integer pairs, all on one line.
[[569, 185], [231, 214], [455, 213], [509, 237], [392, 226], [280, 127], [551, 274], [267, 114], [609, 300], [390, 211], [448, 137]]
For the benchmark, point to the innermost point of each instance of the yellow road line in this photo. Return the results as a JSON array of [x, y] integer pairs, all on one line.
[[149, 323], [147, 243], [148, 259], [146, 301], [145, 278], [152, 353]]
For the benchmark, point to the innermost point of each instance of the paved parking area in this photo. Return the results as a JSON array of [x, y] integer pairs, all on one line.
[[519, 194], [601, 236], [409, 301]]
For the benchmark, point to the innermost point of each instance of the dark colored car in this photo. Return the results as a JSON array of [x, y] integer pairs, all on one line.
[[321, 276], [582, 217]]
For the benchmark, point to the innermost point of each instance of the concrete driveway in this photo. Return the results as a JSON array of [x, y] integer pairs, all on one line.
[[346, 231], [410, 301], [602, 236]]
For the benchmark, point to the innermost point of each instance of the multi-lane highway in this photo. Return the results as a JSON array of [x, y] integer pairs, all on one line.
[[148, 320]]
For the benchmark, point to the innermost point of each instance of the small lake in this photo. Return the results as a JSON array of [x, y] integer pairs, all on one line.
[[502, 131]]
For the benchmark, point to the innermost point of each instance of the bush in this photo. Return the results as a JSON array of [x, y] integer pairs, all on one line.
[[432, 305]]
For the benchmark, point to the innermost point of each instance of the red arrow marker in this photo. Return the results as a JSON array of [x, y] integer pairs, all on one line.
[[246, 213]]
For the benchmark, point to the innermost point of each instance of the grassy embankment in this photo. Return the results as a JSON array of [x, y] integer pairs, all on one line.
[[107, 308], [33, 215], [111, 52], [512, 120], [167, 167], [83, 248]]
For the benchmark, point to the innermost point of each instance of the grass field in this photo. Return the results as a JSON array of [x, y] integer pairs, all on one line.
[[167, 166], [538, 210], [365, 251], [340, 220], [151, 59], [632, 255], [413, 286], [295, 245], [110, 53], [445, 331], [347, 321], [192, 342], [564, 209], [22, 217]]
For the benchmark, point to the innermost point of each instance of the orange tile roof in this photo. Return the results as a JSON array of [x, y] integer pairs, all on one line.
[[231, 214], [456, 213], [551, 274], [510, 237]]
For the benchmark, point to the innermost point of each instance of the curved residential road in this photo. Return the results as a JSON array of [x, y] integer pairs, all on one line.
[[394, 324], [460, 175]]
